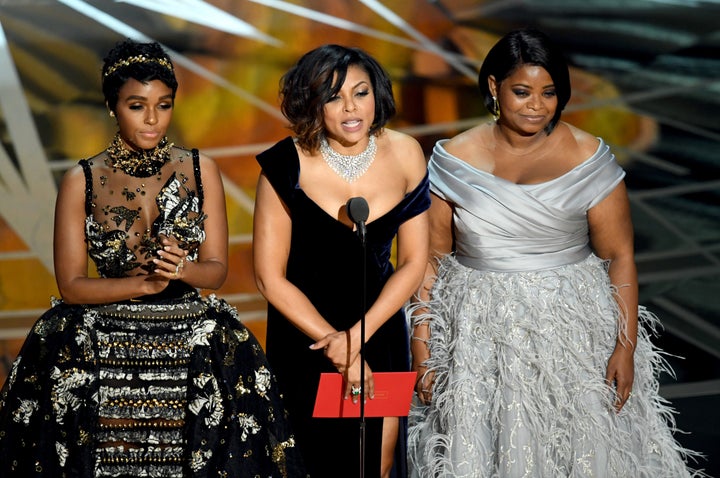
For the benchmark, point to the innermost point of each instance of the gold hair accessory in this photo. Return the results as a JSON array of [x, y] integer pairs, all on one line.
[[138, 59]]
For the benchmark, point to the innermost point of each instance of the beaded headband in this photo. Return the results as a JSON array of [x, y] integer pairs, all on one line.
[[138, 59]]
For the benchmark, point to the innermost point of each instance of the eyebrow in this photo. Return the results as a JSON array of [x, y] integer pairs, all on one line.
[[551, 85], [144, 98]]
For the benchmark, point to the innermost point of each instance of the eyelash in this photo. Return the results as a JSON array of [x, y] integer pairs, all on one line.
[[523, 93], [361, 94], [162, 106]]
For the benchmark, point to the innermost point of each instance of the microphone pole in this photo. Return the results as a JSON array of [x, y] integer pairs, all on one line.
[[358, 212]]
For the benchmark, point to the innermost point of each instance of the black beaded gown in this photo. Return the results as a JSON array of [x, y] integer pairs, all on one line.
[[325, 263], [171, 384]]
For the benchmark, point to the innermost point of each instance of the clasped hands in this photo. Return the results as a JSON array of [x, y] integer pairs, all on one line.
[[338, 348], [170, 263]]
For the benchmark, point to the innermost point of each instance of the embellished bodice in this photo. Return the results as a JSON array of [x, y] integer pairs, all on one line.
[[126, 215], [503, 226]]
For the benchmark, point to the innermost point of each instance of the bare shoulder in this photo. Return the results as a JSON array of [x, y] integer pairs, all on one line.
[[74, 175], [71, 190], [468, 143], [406, 151], [586, 143], [400, 141], [207, 164]]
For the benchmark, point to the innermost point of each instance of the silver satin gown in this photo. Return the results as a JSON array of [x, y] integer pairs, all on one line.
[[523, 319]]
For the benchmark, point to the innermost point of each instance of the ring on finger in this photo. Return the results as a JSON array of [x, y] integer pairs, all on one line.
[[354, 391]]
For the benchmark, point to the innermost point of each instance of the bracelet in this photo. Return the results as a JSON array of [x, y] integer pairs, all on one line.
[[425, 341]]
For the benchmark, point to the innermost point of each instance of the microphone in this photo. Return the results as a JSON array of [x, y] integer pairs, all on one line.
[[358, 212]]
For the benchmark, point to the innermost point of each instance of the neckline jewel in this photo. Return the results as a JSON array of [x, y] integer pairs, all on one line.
[[140, 164], [348, 167]]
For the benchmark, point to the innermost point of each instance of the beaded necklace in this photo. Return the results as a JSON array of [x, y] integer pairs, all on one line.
[[348, 167], [140, 164]]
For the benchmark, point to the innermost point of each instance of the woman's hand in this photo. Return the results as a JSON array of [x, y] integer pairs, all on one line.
[[171, 261], [424, 384], [621, 374], [420, 348], [425, 380], [352, 381], [337, 347]]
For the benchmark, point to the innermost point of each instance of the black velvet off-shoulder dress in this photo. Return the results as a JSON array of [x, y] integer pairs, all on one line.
[[325, 263]]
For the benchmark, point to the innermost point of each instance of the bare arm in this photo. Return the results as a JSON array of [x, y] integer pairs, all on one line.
[[611, 235], [271, 248], [441, 243]]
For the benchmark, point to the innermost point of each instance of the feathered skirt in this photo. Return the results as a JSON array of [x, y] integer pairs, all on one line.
[[519, 391]]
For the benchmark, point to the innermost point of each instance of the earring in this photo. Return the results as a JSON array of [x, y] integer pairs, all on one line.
[[111, 113], [495, 108]]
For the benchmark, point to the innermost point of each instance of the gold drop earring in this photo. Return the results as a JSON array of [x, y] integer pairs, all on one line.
[[496, 108]]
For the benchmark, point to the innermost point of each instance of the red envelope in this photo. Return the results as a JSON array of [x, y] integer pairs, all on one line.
[[393, 393]]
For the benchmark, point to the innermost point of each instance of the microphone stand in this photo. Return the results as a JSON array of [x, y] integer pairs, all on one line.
[[362, 355], [358, 211]]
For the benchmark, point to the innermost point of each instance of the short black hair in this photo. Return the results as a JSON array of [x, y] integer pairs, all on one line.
[[143, 62], [308, 86], [526, 46]]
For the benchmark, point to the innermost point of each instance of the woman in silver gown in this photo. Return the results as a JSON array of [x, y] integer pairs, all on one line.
[[533, 353]]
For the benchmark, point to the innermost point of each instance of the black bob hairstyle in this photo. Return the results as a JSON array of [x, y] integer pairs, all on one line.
[[316, 78], [143, 62], [526, 47]]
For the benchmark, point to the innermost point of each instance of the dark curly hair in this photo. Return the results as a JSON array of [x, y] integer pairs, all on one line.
[[308, 86], [520, 47], [143, 62]]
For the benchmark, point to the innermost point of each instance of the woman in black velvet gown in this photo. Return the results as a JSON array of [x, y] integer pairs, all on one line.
[[308, 258]]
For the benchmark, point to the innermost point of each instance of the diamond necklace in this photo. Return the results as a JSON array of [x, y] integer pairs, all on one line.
[[349, 167]]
